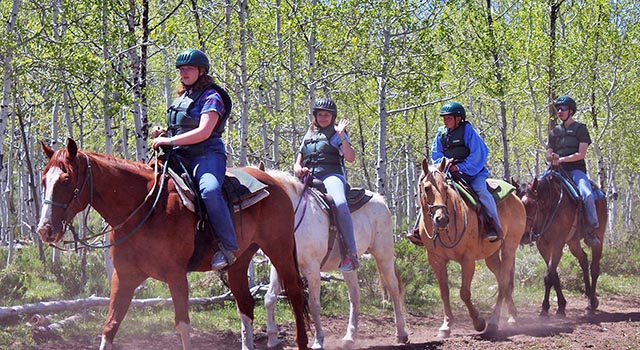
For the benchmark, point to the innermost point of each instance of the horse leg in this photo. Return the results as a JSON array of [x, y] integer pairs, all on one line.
[[386, 269], [596, 255], [122, 288], [468, 269], [351, 278], [494, 265], [179, 289], [439, 267], [239, 286], [270, 299], [286, 264], [312, 274], [552, 279]]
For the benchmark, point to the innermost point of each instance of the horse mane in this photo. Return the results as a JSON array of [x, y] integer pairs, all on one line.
[[291, 184]]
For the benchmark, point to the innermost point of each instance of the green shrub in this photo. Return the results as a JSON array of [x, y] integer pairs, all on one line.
[[13, 286]]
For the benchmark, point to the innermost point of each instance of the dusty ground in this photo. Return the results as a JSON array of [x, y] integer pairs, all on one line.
[[615, 326]]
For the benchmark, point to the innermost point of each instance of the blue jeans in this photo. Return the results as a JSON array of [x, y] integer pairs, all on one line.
[[479, 185], [335, 185], [586, 192], [207, 170]]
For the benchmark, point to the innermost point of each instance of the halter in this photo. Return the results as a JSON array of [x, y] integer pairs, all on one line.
[[457, 237]]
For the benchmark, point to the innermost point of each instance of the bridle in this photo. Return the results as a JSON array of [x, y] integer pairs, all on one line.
[[548, 218], [77, 191], [433, 208]]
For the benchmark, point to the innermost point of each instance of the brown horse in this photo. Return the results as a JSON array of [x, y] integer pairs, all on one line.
[[450, 231], [552, 222], [153, 234]]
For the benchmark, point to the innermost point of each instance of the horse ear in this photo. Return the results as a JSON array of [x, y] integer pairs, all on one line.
[[534, 185], [261, 165], [48, 151], [425, 166], [72, 148], [442, 165]]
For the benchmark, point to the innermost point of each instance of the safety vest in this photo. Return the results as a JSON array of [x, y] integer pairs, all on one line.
[[179, 120], [452, 142], [319, 156], [566, 139]]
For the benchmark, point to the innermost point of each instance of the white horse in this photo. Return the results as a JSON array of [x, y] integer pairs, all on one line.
[[372, 228]]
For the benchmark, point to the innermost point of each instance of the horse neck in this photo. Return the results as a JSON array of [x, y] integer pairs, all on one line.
[[119, 187]]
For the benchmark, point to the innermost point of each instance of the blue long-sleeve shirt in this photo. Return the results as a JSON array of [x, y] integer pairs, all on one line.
[[475, 161]]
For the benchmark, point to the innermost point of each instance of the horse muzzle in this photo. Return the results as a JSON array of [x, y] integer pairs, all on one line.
[[440, 221], [49, 234]]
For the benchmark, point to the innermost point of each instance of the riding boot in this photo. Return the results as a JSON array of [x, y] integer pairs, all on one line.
[[222, 259], [414, 235], [349, 263], [590, 237], [494, 232]]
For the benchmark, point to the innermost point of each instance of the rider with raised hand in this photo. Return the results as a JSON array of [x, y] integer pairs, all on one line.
[[567, 146], [465, 152], [324, 148], [196, 121]]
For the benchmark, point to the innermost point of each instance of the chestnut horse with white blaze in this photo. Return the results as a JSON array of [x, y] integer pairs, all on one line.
[[373, 231], [153, 234], [450, 231]]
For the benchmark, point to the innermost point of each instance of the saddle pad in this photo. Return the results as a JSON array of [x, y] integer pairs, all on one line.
[[242, 190], [498, 188], [597, 192]]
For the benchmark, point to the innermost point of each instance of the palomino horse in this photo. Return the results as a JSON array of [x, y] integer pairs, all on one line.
[[156, 238], [373, 233], [449, 230], [552, 222]]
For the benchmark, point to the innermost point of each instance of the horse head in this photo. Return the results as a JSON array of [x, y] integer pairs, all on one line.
[[63, 182], [541, 200], [434, 194]]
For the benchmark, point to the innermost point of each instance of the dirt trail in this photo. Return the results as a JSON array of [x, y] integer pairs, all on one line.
[[616, 326]]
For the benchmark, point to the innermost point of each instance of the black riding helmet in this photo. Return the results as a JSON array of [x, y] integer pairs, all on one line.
[[567, 101], [453, 108], [193, 57], [326, 104]]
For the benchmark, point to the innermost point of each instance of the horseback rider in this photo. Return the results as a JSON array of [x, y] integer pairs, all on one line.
[[196, 119], [458, 143], [324, 148], [567, 147]]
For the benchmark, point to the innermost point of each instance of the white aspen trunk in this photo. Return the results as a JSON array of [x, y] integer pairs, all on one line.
[[381, 168], [244, 97], [230, 70], [5, 179], [108, 122]]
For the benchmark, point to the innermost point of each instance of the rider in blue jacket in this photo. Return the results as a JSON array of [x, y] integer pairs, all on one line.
[[458, 143]]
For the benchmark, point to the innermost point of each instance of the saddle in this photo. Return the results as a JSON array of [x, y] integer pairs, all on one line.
[[356, 198], [239, 189], [566, 182], [499, 189]]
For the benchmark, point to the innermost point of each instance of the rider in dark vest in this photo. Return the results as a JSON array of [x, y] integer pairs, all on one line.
[[458, 143], [196, 120], [567, 147], [324, 148]]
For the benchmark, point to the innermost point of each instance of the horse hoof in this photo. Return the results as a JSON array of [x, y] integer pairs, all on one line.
[[348, 344], [317, 346], [561, 314], [444, 333], [403, 339], [512, 320], [491, 329], [479, 324], [544, 314]]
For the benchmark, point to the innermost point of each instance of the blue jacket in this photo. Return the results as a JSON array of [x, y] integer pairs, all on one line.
[[474, 163]]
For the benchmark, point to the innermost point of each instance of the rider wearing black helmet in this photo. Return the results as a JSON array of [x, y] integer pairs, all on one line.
[[324, 148], [567, 147], [196, 119]]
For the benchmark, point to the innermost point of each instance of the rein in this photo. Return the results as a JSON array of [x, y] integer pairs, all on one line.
[[83, 241], [304, 197], [434, 207]]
